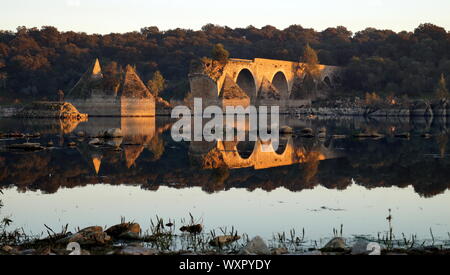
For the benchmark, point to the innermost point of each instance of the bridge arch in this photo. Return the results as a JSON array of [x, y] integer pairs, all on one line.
[[245, 149], [327, 81], [279, 81], [246, 81]]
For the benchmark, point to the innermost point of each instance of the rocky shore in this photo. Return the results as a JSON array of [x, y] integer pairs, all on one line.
[[127, 238], [339, 108]]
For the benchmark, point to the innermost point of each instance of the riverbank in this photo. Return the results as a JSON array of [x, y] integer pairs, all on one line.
[[332, 108], [164, 238], [388, 108]]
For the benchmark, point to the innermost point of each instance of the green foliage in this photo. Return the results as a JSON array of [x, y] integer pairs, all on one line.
[[157, 84], [441, 90], [219, 53]]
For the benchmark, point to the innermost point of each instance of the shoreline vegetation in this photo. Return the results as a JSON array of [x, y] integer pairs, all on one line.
[[168, 238]]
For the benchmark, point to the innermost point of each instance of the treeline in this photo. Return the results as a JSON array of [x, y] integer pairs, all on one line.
[[36, 63]]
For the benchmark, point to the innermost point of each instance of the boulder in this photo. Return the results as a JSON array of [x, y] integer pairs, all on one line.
[[403, 135], [223, 240], [255, 246], [360, 248], [337, 243], [307, 131], [27, 146], [125, 231], [312, 253], [113, 133], [95, 141], [286, 130], [279, 251], [81, 134], [7, 249], [137, 250], [93, 235]]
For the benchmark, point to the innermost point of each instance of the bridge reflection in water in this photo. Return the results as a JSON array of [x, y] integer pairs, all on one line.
[[259, 154]]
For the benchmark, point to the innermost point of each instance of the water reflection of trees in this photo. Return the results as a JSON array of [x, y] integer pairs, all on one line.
[[161, 162]]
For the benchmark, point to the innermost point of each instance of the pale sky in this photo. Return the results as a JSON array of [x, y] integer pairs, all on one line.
[[105, 16]]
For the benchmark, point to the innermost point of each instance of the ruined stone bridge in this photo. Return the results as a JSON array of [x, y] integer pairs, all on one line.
[[258, 81]]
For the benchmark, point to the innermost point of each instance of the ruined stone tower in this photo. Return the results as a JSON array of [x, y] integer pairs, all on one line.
[[129, 97]]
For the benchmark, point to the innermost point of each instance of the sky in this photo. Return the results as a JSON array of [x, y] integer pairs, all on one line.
[[106, 16]]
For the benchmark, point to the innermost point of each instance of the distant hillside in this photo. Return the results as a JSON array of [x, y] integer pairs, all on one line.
[[36, 63]]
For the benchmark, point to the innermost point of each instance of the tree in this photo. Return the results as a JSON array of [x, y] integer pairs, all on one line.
[[112, 76], [311, 61], [157, 84], [441, 90], [219, 53]]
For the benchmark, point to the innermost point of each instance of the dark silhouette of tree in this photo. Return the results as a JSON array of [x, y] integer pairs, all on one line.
[[441, 90]]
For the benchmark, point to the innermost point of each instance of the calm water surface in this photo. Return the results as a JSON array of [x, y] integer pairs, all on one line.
[[311, 183]]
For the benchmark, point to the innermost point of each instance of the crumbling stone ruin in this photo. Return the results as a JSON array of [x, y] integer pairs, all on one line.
[[94, 95]]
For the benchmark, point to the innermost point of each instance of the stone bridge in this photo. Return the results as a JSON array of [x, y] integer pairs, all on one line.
[[262, 81]]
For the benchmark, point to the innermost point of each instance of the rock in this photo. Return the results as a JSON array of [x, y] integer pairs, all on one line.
[[360, 248], [339, 136], [129, 236], [195, 229], [125, 231], [335, 244], [28, 252], [223, 240], [44, 251], [255, 246], [286, 130], [113, 133], [114, 142], [403, 135], [245, 252], [26, 146], [93, 235], [368, 135], [312, 253], [279, 251], [95, 141], [7, 248], [307, 131], [135, 251]]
